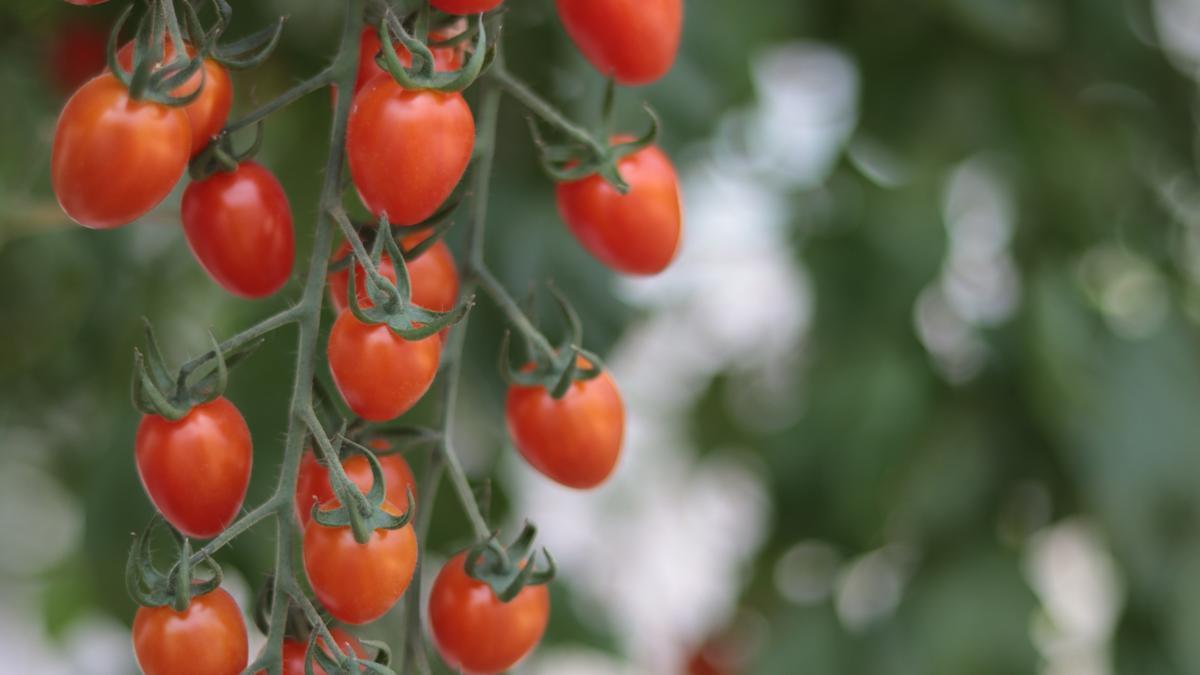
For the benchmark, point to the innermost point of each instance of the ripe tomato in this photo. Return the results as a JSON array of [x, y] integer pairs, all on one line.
[[634, 41], [207, 638], [239, 226], [196, 469], [444, 58], [407, 149], [356, 582], [433, 276], [114, 158], [76, 54], [574, 440], [474, 630], [464, 6], [380, 374], [634, 233], [312, 487], [208, 112], [294, 652]]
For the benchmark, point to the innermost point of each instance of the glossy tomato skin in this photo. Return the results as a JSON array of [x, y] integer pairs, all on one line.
[[476, 632], [634, 41], [433, 276], [239, 226], [207, 638], [114, 158], [464, 6], [380, 374], [208, 113], [407, 149], [574, 440], [635, 233], [294, 652], [196, 469], [312, 486], [359, 583]]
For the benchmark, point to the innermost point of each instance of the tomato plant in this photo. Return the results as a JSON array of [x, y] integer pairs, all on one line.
[[380, 374], [294, 652], [433, 275], [208, 112], [444, 58], [239, 226], [633, 41], [207, 638], [313, 487], [474, 630], [114, 158], [196, 469]]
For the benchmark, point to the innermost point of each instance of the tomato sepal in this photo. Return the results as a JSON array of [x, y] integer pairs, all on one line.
[[566, 162], [154, 391], [422, 74], [220, 155], [150, 587], [508, 570], [145, 80], [554, 369], [349, 663], [362, 513], [247, 52]]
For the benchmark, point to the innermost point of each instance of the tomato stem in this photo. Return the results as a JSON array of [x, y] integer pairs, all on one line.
[[542, 108], [322, 79]]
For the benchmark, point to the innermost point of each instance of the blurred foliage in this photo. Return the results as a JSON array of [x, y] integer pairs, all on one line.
[[1075, 101]]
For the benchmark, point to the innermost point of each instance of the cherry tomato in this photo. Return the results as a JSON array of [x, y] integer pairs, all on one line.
[[209, 111], [433, 276], [380, 374], [407, 149], [239, 226], [474, 630], [464, 6], [359, 583], [114, 158], [444, 58], [312, 487], [574, 440], [196, 469], [633, 41], [634, 233], [76, 54], [207, 638], [294, 652]]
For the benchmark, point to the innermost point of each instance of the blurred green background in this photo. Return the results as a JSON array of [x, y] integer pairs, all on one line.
[[919, 396]]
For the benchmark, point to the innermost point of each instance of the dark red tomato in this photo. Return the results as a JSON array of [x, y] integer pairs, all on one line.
[[634, 233], [380, 374], [196, 469], [294, 652], [444, 58], [210, 110], [114, 158], [76, 54], [407, 149], [312, 487], [239, 226], [433, 276], [86, 3], [574, 440], [634, 41], [474, 630], [207, 638], [359, 583], [464, 6]]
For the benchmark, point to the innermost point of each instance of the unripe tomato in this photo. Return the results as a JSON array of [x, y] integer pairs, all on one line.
[[464, 6], [209, 111], [207, 638], [239, 226], [476, 632], [294, 652], [634, 233], [313, 487], [407, 149], [114, 158], [359, 583], [196, 469], [574, 440], [444, 58], [433, 276], [634, 41], [380, 374]]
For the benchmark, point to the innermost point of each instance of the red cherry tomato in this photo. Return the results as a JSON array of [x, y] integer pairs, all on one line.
[[474, 630], [114, 158], [359, 583], [294, 652], [207, 638], [433, 276], [210, 110], [407, 149], [634, 233], [464, 6], [380, 374], [312, 487], [444, 58], [574, 440], [239, 226], [196, 469], [634, 41], [76, 54]]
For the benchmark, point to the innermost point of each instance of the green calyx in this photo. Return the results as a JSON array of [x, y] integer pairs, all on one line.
[[248, 52], [422, 74], [363, 514], [151, 588], [553, 368], [573, 160], [508, 571], [220, 155], [318, 655], [146, 79]]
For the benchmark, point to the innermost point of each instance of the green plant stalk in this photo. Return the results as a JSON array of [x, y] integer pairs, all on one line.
[[298, 91], [540, 107], [278, 320]]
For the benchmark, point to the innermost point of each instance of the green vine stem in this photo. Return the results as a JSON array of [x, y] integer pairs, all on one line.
[[296, 92], [540, 107]]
